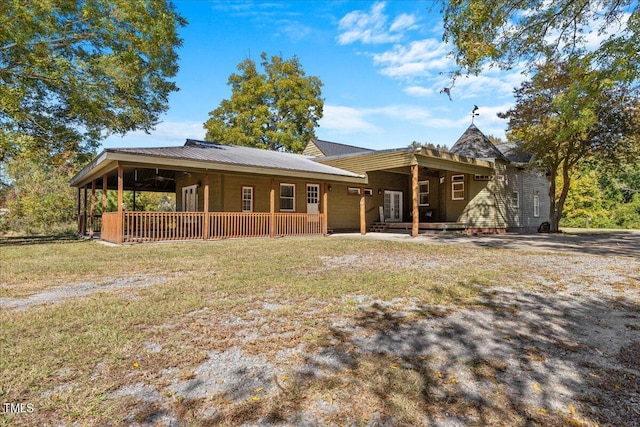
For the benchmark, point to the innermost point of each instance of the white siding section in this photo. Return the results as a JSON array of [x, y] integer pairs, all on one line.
[[526, 182]]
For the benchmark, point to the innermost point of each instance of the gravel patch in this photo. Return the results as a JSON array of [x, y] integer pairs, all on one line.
[[232, 373], [77, 290]]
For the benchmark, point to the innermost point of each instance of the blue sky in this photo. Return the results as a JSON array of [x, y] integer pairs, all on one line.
[[383, 65]]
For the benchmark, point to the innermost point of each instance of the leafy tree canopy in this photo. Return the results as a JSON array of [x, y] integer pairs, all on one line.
[[72, 72], [570, 113], [276, 110], [429, 145], [506, 32]]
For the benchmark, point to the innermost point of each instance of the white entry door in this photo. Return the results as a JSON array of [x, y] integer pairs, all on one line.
[[393, 206], [190, 198], [313, 198]]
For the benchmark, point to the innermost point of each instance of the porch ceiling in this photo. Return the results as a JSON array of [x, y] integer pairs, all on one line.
[[142, 179], [434, 159]]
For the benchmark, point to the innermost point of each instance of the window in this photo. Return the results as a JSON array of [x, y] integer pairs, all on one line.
[[457, 187], [515, 200], [353, 191], [536, 204], [247, 199], [287, 197], [368, 191], [423, 193], [190, 198], [478, 177]]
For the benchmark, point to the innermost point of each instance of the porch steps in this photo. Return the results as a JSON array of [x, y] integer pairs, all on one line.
[[378, 227]]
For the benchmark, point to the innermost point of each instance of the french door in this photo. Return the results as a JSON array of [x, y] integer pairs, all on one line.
[[393, 206]]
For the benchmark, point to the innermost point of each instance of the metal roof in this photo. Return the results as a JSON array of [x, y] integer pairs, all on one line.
[[329, 148], [237, 155]]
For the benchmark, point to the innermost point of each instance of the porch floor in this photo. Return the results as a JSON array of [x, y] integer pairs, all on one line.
[[406, 226]]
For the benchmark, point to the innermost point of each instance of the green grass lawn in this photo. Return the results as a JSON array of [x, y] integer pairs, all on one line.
[[67, 358]]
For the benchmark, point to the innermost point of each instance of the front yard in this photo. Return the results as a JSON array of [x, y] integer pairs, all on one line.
[[319, 331]]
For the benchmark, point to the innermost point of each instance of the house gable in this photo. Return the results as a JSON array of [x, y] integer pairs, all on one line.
[[320, 148]]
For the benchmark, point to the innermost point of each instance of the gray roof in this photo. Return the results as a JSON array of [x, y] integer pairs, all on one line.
[[237, 155], [513, 153], [473, 143], [329, 148]]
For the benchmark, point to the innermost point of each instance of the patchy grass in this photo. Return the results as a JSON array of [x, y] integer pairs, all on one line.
[[269, 299]]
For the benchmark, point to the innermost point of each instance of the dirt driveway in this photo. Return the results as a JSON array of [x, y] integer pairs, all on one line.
[[623, 243], [552, 340]]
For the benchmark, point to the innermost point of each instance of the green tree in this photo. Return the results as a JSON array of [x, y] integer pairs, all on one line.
[[508, 32], [568, 114], [429, 145], [72, 72], [276, 110], [585, 204], [39, 199]]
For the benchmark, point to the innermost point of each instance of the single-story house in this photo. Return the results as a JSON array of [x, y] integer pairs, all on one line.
[[232, 191]]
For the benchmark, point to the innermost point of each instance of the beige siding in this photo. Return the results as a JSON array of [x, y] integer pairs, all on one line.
[[372, 162], [455, 208], [487, 205], [225, 191], [344, 209], [312, 149]]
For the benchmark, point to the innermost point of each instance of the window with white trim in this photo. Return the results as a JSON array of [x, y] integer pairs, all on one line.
[[515, 200], [423, 193], [457, 187], [536, 204], [287, 197], [353, 191], [247, 199]]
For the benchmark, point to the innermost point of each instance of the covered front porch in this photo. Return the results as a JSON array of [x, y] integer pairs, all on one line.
[[416, 190], [132, 226], [214, 200]]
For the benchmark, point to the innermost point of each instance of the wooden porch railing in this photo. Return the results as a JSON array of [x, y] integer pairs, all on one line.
[[238, 224], [158, 226], [109, 230], [298, 224]]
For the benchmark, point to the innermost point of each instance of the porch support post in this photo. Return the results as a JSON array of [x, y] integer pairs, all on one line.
[[79, 211], [325, 211], [84, 210], [92, 211], [104, 193], [415, 226], [363, 216], [272, 209], [120, 227], [205, 231]]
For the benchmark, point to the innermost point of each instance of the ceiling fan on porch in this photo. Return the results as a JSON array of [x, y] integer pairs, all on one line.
[[156, 177], [160, 178]]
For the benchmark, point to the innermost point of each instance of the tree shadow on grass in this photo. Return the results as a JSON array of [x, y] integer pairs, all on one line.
[[38, 239], [519, 359]]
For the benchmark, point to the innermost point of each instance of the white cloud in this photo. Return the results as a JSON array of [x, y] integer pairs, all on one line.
[[294, 30], [169, 133], [346, 120], [414, 60], [418, 91], [370, 27], [495, 84], [403, 22]]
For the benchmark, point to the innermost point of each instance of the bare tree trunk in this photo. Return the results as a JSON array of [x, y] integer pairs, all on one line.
[[553, 219], [566, 184]]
